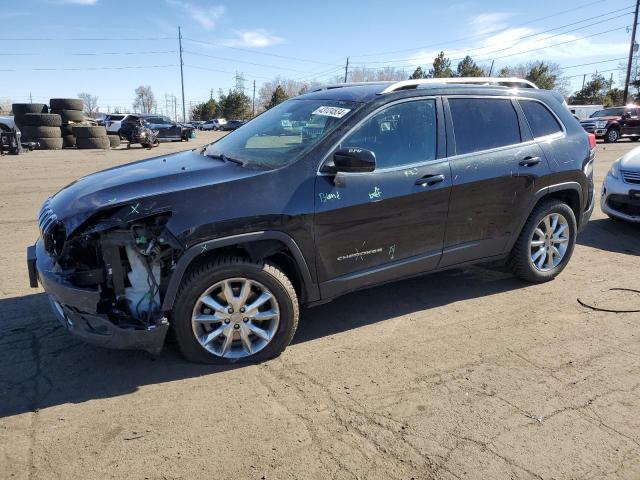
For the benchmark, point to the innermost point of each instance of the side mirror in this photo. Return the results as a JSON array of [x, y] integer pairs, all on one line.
[[626, 115], [354, 160]]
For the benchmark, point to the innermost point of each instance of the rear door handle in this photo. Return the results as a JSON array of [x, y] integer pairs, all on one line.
[[429, 180], [530, 161]]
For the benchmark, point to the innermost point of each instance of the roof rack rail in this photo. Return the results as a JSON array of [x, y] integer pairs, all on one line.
[[331, 86], [494, 81]]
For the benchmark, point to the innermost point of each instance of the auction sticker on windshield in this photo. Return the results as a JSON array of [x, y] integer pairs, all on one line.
[[331, 111]]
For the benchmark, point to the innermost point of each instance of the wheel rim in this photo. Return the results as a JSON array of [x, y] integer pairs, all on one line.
[[549, 242], [235, 318], [613, 135]]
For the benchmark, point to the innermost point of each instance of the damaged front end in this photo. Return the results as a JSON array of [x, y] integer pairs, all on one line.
[[106, 280]]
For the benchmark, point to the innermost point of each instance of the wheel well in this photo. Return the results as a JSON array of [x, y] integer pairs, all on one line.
[[4, 128], [570, 197], [272, 251]]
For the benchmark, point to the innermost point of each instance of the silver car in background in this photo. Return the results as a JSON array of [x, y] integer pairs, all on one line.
[[621, 188]]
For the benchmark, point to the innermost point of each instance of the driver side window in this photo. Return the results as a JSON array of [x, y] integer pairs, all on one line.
[[401, 134]]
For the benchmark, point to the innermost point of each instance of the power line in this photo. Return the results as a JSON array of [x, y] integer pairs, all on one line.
[[491, 52], [82, 39], [298, 59], [242, 61], [77, 69], [483, 35], [222, 71], [91, 54]]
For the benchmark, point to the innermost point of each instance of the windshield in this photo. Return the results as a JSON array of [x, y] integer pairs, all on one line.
[[283, 133], [608, 112], [158, 120]]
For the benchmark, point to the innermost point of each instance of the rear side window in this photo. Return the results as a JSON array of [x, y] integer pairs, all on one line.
[[483, 123], [541, 120]]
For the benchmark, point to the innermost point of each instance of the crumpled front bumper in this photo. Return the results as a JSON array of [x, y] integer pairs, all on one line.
[[77, 309]]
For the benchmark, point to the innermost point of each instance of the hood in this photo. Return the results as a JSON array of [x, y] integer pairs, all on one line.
[[595, 119], [135, 182], [631, 160]]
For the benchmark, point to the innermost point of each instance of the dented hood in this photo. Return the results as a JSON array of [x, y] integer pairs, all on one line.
[[130, 183]]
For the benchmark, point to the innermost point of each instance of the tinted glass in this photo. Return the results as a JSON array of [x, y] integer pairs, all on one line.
[[483, 123], [399, 135], [608, 112], [283, 133], [541, 120]]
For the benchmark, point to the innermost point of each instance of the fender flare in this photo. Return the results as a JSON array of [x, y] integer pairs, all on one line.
[[542, 193], [311, 288]]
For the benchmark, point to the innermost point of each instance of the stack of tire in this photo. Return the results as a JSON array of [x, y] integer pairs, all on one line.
[[70, 111], [91, 137], [36, 125]]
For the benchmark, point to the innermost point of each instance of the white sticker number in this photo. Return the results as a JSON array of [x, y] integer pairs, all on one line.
[[331, 111]]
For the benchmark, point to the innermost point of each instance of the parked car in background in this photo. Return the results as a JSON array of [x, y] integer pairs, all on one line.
[[389, 180], [620, 197], [168, 130], [213, 124], [583, 112], [614, 123], [7, 124], [113, 122], [232, 125]]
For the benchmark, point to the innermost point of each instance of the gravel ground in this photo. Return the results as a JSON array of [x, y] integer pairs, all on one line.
[[464, 374]]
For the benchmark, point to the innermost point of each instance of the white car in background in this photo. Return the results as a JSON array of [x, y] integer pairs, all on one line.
[[621, 188], [113, 121], [213, 124]]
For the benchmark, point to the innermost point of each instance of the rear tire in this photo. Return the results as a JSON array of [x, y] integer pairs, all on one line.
[[612, 135], [524, 262], [203, 277]]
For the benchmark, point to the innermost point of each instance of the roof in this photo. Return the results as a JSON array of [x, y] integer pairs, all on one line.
[[368, 91]]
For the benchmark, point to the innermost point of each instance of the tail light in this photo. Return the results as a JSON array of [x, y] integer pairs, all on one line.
[[592, 141]]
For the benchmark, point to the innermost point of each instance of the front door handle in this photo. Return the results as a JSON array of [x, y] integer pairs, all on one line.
[[530, 161], [429, 180]]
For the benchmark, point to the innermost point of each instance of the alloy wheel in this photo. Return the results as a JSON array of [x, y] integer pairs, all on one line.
[[549, 242], [235, 318]]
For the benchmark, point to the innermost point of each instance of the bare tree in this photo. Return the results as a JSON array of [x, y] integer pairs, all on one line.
[[5, 106], [90, 103], [364, 74], [145, 100], [291, 88]]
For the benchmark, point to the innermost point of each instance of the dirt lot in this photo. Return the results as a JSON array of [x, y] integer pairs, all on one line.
[[464, 374]]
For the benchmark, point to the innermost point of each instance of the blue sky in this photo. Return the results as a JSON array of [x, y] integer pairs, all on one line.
[[51, 54]]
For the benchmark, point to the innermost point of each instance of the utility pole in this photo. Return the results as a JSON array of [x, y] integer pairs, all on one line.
[[631, 51], [253, 104], [491, 69], [584, 79], [346, 69], [30, 98], [175, 109], [182, 73]]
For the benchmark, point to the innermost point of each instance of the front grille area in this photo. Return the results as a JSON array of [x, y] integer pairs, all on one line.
[[624, 204], [51, 229], [630, 177]]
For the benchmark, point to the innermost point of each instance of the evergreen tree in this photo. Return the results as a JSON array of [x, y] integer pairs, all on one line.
[[278, 96], [468, 68], [441, 67], [418, 73]]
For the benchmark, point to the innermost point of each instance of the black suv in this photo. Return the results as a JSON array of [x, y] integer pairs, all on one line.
[[336, 190]]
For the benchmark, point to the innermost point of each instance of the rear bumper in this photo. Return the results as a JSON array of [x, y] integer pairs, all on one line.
[[77, 309]]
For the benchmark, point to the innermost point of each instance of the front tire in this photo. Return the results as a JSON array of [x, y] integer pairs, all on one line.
[[612, 135], [232, 309], [546, 242]]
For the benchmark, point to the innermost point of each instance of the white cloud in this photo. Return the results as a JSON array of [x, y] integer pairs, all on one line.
[[78, 2], [253, 39], [489, 22], [206, 17]]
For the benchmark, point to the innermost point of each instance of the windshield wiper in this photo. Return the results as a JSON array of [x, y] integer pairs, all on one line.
[[224, 158]]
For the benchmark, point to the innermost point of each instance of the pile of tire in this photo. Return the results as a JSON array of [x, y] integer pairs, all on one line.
[[38, 126], [70, 111], [91, 137]]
